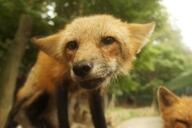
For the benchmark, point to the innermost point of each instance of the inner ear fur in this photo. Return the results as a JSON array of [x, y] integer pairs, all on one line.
[[139, 34], [166, 98], [50, 45]]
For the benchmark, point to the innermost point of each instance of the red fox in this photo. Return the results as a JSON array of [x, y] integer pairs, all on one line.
[[83, 57], [175, 111]]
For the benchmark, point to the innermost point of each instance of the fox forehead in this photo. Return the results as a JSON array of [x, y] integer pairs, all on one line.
[[181, 110], [95, 27], [184, 104]]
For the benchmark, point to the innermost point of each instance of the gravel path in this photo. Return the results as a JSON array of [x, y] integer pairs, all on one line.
[[143, 122]]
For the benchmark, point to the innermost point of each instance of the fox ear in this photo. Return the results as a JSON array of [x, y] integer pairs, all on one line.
[[49, 45], [139, 33], [166, 98]]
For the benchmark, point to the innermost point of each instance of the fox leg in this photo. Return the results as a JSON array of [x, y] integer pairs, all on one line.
[[13, 112], [62, 106], [19, 105], [96, 108]]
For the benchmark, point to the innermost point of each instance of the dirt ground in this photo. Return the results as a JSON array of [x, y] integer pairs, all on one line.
[[142, 122]]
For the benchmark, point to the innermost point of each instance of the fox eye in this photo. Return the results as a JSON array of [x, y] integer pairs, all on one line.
[[181, 124], [72, 45], [108, 40]]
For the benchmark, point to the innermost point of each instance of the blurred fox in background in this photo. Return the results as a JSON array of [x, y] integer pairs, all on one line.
[[176, 111]]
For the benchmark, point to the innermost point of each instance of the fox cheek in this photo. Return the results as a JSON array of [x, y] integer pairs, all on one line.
[[69, 55]]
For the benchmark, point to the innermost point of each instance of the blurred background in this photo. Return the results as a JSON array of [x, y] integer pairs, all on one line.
[[166, 60]]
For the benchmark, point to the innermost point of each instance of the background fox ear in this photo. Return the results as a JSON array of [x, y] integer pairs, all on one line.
[[166, 98], [139, 33], [49, 45]]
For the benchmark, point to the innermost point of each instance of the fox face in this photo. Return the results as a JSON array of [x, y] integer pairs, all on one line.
[[96, 48], [176, 111]]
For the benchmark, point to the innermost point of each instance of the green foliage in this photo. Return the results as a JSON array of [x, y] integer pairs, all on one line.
[[181, 82], [123, 85]]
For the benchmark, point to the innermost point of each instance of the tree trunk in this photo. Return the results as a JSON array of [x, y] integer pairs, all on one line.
[[9, 73]]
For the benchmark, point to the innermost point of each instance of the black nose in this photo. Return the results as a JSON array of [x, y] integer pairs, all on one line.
[[82, 69]]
